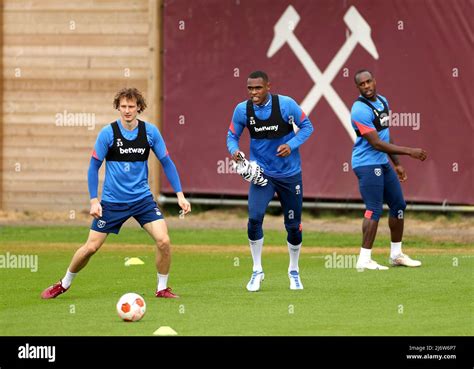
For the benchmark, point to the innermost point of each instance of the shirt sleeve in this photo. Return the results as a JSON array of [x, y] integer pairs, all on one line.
[[236, 127], [156, 141], [93, 177], [362, 118], [302, 122], [103, 142], [171, 173]]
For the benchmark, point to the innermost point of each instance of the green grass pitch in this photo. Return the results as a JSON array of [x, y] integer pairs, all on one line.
[[210, 276]]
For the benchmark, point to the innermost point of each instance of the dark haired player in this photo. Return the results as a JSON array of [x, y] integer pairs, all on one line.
[[378, 182], [274, 147]]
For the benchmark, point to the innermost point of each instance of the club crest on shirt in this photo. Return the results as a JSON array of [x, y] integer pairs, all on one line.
[[378, 172]]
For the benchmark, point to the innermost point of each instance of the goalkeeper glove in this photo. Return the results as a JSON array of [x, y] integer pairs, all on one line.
[[250, 170]]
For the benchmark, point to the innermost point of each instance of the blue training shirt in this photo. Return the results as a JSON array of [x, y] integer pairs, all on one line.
[[264, 151], [362, 117], [128, 181]]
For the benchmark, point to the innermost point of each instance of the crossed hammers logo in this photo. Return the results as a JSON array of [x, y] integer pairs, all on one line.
[[360, 34]]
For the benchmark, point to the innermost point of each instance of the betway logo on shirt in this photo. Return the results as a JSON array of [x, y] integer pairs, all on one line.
[[132, 150], [266, 128]]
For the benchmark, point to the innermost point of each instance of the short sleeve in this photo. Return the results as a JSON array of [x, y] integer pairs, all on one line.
[[156, 141], [103, 142], [362, 117]]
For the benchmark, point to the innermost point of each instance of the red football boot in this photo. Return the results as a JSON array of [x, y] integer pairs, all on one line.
[[53, 291], [166, 293]]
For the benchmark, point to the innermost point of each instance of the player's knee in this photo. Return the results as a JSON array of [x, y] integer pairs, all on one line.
[[254, 229], [163, 243], [295, 233], [397, 210], [90, 248], [373, 213]]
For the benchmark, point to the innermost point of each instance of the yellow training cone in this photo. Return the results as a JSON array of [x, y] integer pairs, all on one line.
[[165, 331], [134, 261]]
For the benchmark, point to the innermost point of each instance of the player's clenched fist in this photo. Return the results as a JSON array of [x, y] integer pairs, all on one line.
[[96, 208], [283, 150], [418, 154], [183, 203], [237, 155]]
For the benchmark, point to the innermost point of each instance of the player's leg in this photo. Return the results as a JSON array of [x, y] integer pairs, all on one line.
[[371, 189], [150, 217], [113, 216], [159, 232], [290, 194], [393, 196], [259, 198], [83, 254], [79, 261]]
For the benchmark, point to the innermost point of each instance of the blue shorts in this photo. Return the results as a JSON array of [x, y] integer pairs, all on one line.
[[115, 214], [379, 184], [290, 194]]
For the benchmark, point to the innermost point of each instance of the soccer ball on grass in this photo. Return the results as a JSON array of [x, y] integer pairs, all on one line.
[[131, 307]]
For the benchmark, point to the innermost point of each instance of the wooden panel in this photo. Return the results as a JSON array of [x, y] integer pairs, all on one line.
[[36, 152], [45, 62], [77, 73], [71, 87], [99, 62], [60, 58], [42, 181], [45, 141], [58, 86], [66, 96], [51, 164], [122, 50], [45, 201], [114, 85], [64, 17], [79, 40], [51, 118], [100, 28], [49, 130], [71, 5], [71, 106]]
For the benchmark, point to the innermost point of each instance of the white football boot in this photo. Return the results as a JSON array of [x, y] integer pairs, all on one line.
[[255, 280], [404, 260], [369, 264], [295, 281]]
